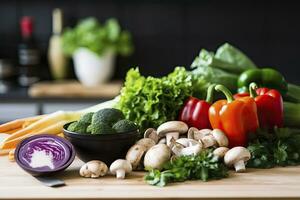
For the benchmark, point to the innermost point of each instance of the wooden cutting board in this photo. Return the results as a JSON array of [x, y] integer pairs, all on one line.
[[255, 184], [70, 89]]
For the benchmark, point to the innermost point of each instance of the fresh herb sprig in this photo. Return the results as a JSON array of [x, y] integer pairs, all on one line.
[[204, 166], [278, 147]]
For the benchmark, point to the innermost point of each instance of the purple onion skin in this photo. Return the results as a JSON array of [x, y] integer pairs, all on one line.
[[60, 149]]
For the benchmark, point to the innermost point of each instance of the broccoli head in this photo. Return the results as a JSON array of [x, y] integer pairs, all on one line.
[[101, 128], [124, 126], [78, 127], [86, 118], [108, 116]]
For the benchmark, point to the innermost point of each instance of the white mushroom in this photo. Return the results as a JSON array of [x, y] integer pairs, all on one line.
[[220, 137], [237, 157], [186, 141], [172, 129], [120, 167], [157, 156], [220, 151], [162, 141], [208, 141], [93, 169], [194, 133], [146, 142], [152, 134], [191, 148], [135, 154]]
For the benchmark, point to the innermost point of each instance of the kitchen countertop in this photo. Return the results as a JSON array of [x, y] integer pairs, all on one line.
[[255, 184]]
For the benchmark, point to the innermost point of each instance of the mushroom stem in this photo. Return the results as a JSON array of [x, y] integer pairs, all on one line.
[[120, 173], [239, 166], [171, 135]]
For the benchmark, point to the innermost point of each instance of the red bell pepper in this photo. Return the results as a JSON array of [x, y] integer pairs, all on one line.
[[269, 105], [237, 118], [195, 111]]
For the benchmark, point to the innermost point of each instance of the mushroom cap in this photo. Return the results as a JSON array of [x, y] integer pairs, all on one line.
[[93, 169], [236, 154], [146, 142], [205, 131], [220, 151], [151, 133], [156, 156], [135, 154], [172, 126], [208, 141], [192, 150], [220, 137], [191, 132], [186, 141], [170, 136], [162, 141], [120, 164]]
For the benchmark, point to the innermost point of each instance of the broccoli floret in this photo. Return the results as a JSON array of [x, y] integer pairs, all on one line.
[[101, 128], [78, 127], [124, 126], [86, 118], [108, 116], [89, 129]]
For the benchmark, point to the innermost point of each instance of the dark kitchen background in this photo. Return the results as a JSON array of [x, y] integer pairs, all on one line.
[[169, 33], [165, 33]]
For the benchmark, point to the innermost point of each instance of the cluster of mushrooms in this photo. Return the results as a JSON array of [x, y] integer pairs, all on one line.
[[175, 138], [170, 140]]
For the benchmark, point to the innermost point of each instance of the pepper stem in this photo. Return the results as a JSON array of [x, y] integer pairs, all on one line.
[[210, 93], [252, 89], [226, 92]]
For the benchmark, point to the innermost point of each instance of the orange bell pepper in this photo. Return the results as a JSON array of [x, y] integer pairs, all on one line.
[[237, 118]]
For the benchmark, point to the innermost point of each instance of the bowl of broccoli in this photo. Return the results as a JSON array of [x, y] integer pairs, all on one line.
[[104, 135]]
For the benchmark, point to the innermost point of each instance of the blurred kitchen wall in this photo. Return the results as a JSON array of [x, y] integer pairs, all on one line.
[[168, 33]]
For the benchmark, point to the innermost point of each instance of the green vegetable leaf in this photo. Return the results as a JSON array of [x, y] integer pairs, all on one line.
[[232, 55], [204, 166], [150, 101], [89, 33], [278, 147]]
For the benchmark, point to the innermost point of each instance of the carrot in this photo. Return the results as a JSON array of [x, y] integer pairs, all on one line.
[[46, 121], [11, 155], [18, 123], [13, 131], [11, 125], [52, 129], [61, 135], [4, 152]]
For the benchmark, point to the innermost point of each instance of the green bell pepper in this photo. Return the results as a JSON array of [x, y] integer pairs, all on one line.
[[264, 77]]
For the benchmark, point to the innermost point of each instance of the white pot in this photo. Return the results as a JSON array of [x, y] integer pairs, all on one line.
[[92, 69]]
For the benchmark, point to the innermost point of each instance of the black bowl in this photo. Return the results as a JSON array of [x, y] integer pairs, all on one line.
[[104, 147]]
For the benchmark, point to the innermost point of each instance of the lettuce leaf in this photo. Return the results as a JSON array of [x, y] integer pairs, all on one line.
[[150, 101]]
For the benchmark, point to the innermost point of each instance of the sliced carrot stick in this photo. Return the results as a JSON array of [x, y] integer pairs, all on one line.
[[52, 129], [4, 152], [18, 123], [13, 131], [40, 124], [61, 135], [11, 155], [11, 125]]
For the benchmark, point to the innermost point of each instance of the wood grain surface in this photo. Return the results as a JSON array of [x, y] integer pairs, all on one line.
[[259, 184]]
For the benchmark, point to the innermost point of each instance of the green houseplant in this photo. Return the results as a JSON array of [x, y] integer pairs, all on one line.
[[94, 46]]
